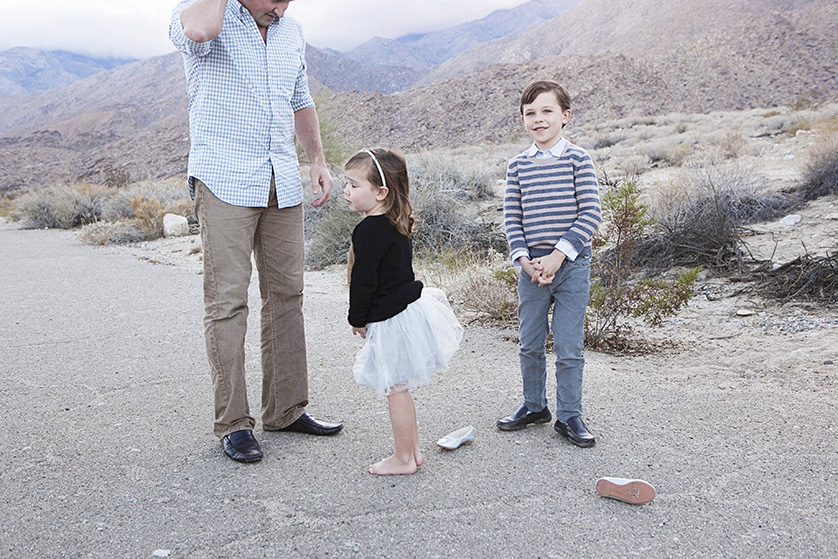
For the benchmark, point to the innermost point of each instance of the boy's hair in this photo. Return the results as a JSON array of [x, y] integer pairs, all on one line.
[[394, 168], [538, 87]]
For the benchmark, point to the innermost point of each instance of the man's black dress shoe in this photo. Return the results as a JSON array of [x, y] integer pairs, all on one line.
[[241, 446], [311, 426], [575, 431], [523, 417]]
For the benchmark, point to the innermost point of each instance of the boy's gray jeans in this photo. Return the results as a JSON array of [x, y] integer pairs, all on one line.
[[568, 295], [230, 236]]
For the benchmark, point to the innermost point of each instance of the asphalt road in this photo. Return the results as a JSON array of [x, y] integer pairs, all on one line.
[[108, 450]]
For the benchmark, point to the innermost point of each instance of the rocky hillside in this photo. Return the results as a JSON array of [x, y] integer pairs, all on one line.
[[636, 57], [24, 70]]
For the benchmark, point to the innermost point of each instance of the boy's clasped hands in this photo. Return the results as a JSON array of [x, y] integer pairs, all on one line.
[[543, 269]]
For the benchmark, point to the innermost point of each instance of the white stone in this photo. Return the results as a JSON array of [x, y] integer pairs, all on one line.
[[790, 220], [175, 225], [800, 355]]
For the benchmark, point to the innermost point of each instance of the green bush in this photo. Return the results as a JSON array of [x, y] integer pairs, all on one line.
[[616, 295]]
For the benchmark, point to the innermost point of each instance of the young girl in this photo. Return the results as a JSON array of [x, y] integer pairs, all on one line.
[[409, 332]]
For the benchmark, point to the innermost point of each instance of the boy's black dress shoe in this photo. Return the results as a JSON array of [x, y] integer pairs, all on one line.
[[241, 446], [310, 426], [575, 431], [523, 417]]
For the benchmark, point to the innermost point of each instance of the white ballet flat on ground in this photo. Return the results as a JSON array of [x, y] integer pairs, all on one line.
[[634, 491], [455, 439]]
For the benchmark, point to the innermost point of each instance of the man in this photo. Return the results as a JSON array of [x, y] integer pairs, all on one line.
[[248, 95]]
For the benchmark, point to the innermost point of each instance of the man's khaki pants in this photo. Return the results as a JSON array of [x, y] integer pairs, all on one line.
[[230, 235]]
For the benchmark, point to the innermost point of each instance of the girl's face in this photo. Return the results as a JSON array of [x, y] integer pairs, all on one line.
[[361, 195]]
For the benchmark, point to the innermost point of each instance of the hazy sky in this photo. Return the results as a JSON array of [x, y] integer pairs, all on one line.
[[139, 29]]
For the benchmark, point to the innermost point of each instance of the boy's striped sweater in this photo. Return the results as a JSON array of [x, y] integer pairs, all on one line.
[[548, 200]]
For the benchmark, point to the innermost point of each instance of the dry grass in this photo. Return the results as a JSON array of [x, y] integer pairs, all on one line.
[[481, 288], [105, 214]]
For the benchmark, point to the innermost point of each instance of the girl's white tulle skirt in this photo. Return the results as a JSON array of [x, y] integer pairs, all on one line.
[[401, 352]]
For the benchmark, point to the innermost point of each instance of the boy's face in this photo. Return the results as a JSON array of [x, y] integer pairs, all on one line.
[[544, 119]]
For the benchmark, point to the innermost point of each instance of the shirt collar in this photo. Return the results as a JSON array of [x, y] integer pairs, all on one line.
[[554, 151]]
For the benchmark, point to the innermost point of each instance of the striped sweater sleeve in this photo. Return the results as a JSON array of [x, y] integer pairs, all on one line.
[[589, 211], [513, 214]]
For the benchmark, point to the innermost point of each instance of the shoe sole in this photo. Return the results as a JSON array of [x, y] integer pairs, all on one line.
[[635, 492], [524, 426]]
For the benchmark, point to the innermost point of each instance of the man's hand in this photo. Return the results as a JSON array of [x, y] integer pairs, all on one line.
[[321, 184], [307, 128], [361, 331]]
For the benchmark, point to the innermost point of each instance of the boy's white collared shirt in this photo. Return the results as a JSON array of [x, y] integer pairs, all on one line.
[[555, 151]]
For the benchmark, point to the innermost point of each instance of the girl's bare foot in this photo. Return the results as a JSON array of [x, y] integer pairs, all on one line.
[[392, 466], [418, 458]]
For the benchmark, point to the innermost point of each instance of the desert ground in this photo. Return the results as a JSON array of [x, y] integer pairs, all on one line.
[[108, 450]]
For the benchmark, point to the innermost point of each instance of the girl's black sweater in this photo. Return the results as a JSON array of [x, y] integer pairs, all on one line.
[[382, 283]]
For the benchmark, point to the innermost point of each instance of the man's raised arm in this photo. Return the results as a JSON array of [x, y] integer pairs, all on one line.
[[202, 20]]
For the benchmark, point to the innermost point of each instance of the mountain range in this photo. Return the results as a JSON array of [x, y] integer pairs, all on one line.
[[633, 57], [24, 70]]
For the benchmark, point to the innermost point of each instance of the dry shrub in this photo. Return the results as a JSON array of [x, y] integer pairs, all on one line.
[[699, 221], [100, 232], [482, 287], [61, 207], [147, 215], [733, 144], [329, 234], [821, 175], [635, 165], [7, 205], [806, 277]]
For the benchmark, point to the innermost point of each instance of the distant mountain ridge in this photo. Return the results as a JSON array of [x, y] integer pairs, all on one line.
[[25, 70], [423, 51], [634, 57]]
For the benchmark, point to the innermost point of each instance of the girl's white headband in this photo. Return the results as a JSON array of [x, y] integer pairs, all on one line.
[[378, 166]]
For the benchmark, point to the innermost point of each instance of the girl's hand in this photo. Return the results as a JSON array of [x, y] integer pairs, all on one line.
[[361, 331]]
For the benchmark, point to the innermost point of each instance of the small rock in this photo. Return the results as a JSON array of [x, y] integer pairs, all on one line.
[[161, 553], [790, 220], [175, 225], [800, 355], [745, 312], [789, 157]]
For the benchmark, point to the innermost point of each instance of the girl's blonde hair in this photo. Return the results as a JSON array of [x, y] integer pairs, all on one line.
[[387, 166]]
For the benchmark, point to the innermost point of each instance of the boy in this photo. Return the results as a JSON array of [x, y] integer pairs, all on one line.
[[551, 211]]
